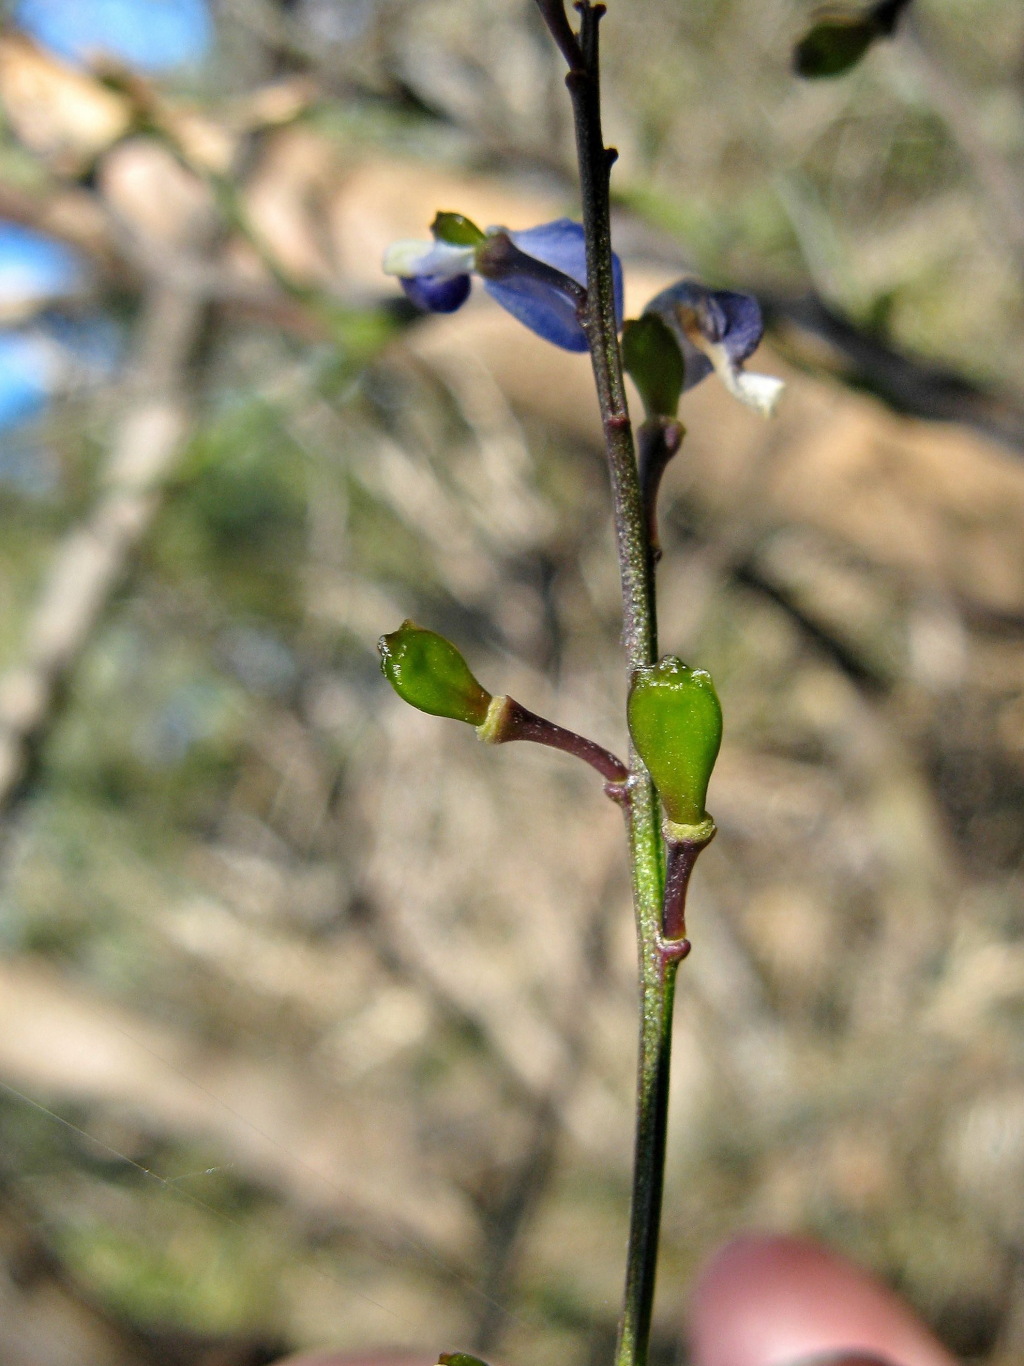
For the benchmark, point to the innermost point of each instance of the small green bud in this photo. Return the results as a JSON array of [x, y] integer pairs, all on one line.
[[655, 363], [457, 229], [836, 43], [675, 719], [428, 672]]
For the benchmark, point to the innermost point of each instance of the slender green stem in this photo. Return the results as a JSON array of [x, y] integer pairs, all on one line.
[[658, 957], [657, 982]]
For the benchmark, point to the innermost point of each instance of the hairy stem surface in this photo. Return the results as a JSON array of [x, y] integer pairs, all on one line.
[[658, 960]]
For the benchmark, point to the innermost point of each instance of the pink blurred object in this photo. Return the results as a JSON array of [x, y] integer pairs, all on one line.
[[395, 1358], [779, 1301]]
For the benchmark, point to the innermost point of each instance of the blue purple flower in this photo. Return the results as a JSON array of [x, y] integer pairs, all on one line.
[[539, 275], [717, 329]]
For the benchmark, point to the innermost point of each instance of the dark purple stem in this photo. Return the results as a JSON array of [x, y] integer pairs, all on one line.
[[518, 723], [680, 860], [658, 440], [561, 30]]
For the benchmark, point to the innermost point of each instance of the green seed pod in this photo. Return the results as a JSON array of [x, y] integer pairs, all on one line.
[[675, 719], [428, 672], [654, 362]]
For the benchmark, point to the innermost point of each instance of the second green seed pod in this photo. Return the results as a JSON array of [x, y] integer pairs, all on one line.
[[675, 719]]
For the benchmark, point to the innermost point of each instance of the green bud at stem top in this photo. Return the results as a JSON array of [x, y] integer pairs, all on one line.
[[655, 364], [457, 229], [428, 672], [675, 719]]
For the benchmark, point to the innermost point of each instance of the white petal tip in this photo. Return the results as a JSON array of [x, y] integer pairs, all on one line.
[[402, 258], [760, 392], [443, 260]]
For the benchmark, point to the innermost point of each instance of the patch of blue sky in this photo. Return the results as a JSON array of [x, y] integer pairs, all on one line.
[[150, 35]]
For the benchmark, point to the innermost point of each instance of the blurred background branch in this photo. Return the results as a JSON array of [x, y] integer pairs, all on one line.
[[91, 562]]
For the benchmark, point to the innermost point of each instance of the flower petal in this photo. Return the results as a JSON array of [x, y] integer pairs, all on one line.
[[699, 316], [545, 310], [441, 260], [562, 244], [744, 326], [542, 308], [756, 391], [718, 329], [437, 294]]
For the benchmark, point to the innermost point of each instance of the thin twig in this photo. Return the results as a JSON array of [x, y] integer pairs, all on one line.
[[92, 559]]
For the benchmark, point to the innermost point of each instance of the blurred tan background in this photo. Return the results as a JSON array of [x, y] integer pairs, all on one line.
[[316, 1018]]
